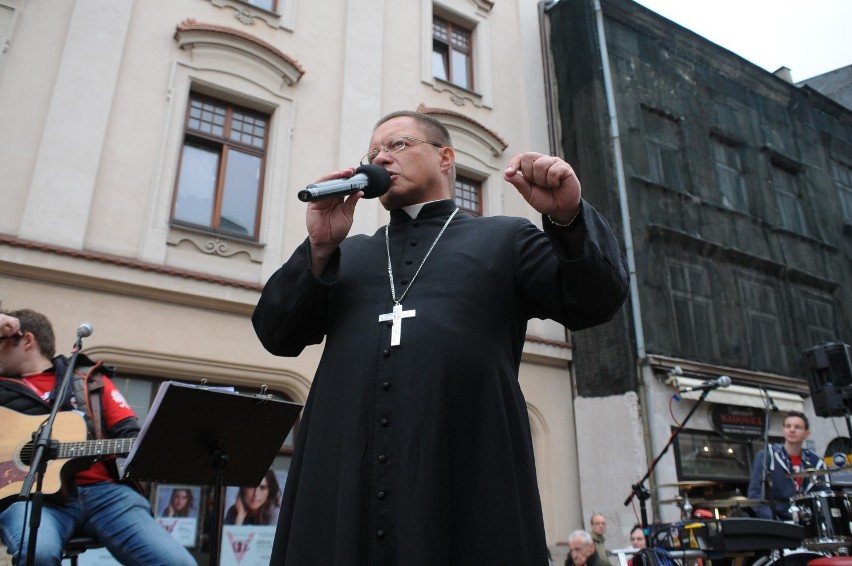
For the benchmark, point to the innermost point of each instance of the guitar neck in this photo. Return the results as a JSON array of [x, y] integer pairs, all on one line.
[[100, 447]]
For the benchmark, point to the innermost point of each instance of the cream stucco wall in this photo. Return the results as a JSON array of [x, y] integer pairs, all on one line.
[[92, 99]]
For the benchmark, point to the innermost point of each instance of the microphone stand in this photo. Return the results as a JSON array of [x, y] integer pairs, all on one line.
[[638, 489], [44, 449], [766, 484]]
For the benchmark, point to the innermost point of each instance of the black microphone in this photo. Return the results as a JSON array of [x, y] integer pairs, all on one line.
[[84, 330], [721, 381], [374, 180], [772, 404]]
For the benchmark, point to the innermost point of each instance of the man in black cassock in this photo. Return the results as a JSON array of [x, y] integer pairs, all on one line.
[[414, 446]]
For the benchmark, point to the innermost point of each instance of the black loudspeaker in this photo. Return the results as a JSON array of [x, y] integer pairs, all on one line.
[[830, 378]]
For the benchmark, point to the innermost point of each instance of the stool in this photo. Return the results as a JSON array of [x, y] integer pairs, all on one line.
[[77, 545]]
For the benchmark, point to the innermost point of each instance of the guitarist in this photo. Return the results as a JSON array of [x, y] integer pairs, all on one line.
[[97, 504]]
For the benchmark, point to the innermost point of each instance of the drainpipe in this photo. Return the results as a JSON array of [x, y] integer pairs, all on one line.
[[615, 140]]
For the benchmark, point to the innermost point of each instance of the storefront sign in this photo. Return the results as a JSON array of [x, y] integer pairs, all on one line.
[[735, 421]]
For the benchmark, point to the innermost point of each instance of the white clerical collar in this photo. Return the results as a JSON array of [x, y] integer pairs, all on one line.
[[414, 209]]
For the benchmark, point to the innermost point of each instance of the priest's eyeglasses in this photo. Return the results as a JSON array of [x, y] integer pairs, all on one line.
[[393, 145]]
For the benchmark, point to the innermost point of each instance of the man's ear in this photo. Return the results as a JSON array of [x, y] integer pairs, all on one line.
[[448, 158]]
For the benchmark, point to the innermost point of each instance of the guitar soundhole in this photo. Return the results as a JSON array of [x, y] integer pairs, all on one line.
[[26, 454]]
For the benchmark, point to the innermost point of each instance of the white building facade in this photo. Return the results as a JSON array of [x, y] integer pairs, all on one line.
[[152, 152]]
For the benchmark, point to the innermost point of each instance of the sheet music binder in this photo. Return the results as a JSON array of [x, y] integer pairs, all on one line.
[[189, 425]]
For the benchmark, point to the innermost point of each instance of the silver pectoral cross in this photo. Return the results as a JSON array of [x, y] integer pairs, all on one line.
[[395, 319]]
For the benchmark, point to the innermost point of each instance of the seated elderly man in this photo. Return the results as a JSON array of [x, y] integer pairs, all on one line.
[[581, 548]]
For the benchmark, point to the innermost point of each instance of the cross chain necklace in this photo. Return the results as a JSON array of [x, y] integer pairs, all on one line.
[[398, 314]]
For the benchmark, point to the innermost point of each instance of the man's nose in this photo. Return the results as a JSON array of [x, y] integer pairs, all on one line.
[[383, 156]]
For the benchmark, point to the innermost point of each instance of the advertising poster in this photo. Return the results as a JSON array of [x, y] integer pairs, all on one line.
[[176, 511], [251, 515]]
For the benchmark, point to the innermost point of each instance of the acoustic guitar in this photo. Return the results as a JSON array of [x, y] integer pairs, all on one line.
[[73, 452]]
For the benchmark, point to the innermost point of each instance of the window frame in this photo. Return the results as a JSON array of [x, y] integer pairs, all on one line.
[[691, 344], [663, 140], [450, 47], [762, 325], [788, 196], [841, 174], [223, 145], [140, 390], [475, 187], [733, 195]]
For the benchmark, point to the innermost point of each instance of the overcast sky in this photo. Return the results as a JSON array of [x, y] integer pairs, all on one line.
[[810, 37]]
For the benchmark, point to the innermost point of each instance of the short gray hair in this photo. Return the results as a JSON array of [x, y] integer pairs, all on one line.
[[582, 536]]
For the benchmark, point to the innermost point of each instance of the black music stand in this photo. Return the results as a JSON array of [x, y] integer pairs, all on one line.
[[193, 432]]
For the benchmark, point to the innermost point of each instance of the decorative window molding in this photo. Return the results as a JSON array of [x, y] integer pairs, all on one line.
[[471, 15], [479, 153], [489, 139], [214, 244], [245, 13], [235, 67], [192, 35]]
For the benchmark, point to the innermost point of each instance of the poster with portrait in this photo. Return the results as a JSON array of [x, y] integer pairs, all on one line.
[[176, 510], [248, 525]]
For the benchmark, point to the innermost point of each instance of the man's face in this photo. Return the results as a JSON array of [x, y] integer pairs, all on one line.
[[637, 539], [580, 552], [11, 355], [795, 431], [599, 524], [416, 171]]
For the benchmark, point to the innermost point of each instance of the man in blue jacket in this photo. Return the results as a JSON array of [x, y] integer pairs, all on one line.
[[783, 460]]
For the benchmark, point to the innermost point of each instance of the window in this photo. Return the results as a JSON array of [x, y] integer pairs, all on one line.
[[663, 150], [789, 201], [707, 455], [193, 525], [452, 50], [469, 195], [268, 5], [220, 179], [729, 173], [842, 174], [766, 348], [693, 311], [819, 317]]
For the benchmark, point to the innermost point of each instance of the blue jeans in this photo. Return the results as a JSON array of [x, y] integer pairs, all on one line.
[[115, 514]]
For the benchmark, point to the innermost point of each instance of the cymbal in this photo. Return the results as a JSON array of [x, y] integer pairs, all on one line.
[[676, 500], [738, 501], [688, 484], [810, 472]]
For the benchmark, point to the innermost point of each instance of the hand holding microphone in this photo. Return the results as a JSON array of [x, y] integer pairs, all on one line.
[[374, 180], [329, 219]]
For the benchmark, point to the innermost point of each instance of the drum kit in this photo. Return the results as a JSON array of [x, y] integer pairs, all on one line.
[[821, 523]]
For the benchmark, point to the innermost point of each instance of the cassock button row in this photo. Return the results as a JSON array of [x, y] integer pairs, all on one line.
[[386, 385], [382, 458], [380, 533]]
